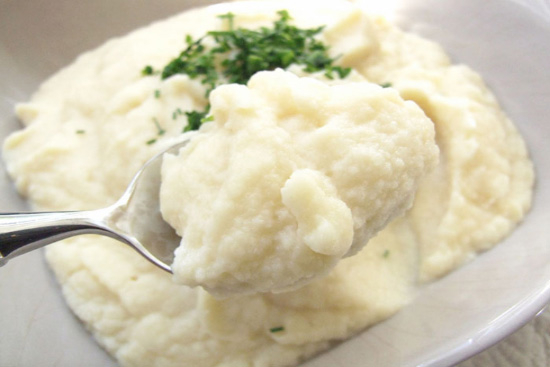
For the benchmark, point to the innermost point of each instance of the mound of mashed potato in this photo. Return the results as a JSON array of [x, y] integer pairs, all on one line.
[[291, 176], [91, 126]]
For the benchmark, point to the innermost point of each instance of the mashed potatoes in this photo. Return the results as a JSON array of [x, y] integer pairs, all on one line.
[[305, 173], [86, 134]]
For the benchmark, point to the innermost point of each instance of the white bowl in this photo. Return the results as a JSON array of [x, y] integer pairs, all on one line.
[[451, 320]]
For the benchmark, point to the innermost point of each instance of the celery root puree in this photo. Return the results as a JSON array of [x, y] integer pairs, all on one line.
[[292, 172]]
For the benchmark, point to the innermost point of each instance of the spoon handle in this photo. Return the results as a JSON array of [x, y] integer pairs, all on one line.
[[24, 232]]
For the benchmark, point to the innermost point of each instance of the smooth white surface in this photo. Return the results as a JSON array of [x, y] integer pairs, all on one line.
[[527, 347], [471, 309]]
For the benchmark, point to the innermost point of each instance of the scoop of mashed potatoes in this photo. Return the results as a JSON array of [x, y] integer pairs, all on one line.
[[292, 175]]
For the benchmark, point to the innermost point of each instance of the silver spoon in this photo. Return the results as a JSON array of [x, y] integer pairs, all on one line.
[[135, 220]]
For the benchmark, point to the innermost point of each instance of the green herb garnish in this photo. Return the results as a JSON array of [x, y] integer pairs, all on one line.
[[157, 93], [160, 130], [194, 120], [386, 254], [386, 85], [239, 53], [177, 112], [80, 131], [148, 70], [277, 329]]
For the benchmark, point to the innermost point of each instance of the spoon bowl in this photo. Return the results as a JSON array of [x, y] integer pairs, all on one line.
[[135, 219]]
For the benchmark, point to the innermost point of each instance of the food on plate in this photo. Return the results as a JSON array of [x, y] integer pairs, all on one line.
[[92, 125]]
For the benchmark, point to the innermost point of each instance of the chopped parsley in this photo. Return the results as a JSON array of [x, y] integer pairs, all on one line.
[[239, 53], [277, 329], [386, 85], [177, 112], [157, 93], [195, 119], [160, 130], [386, 254], [148, 70], [80, 131]]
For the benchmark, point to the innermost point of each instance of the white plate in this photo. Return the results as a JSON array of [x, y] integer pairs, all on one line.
[[505, 40]]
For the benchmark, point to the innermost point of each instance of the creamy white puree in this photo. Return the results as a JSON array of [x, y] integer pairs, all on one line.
[[476, 195], [306, 173]]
